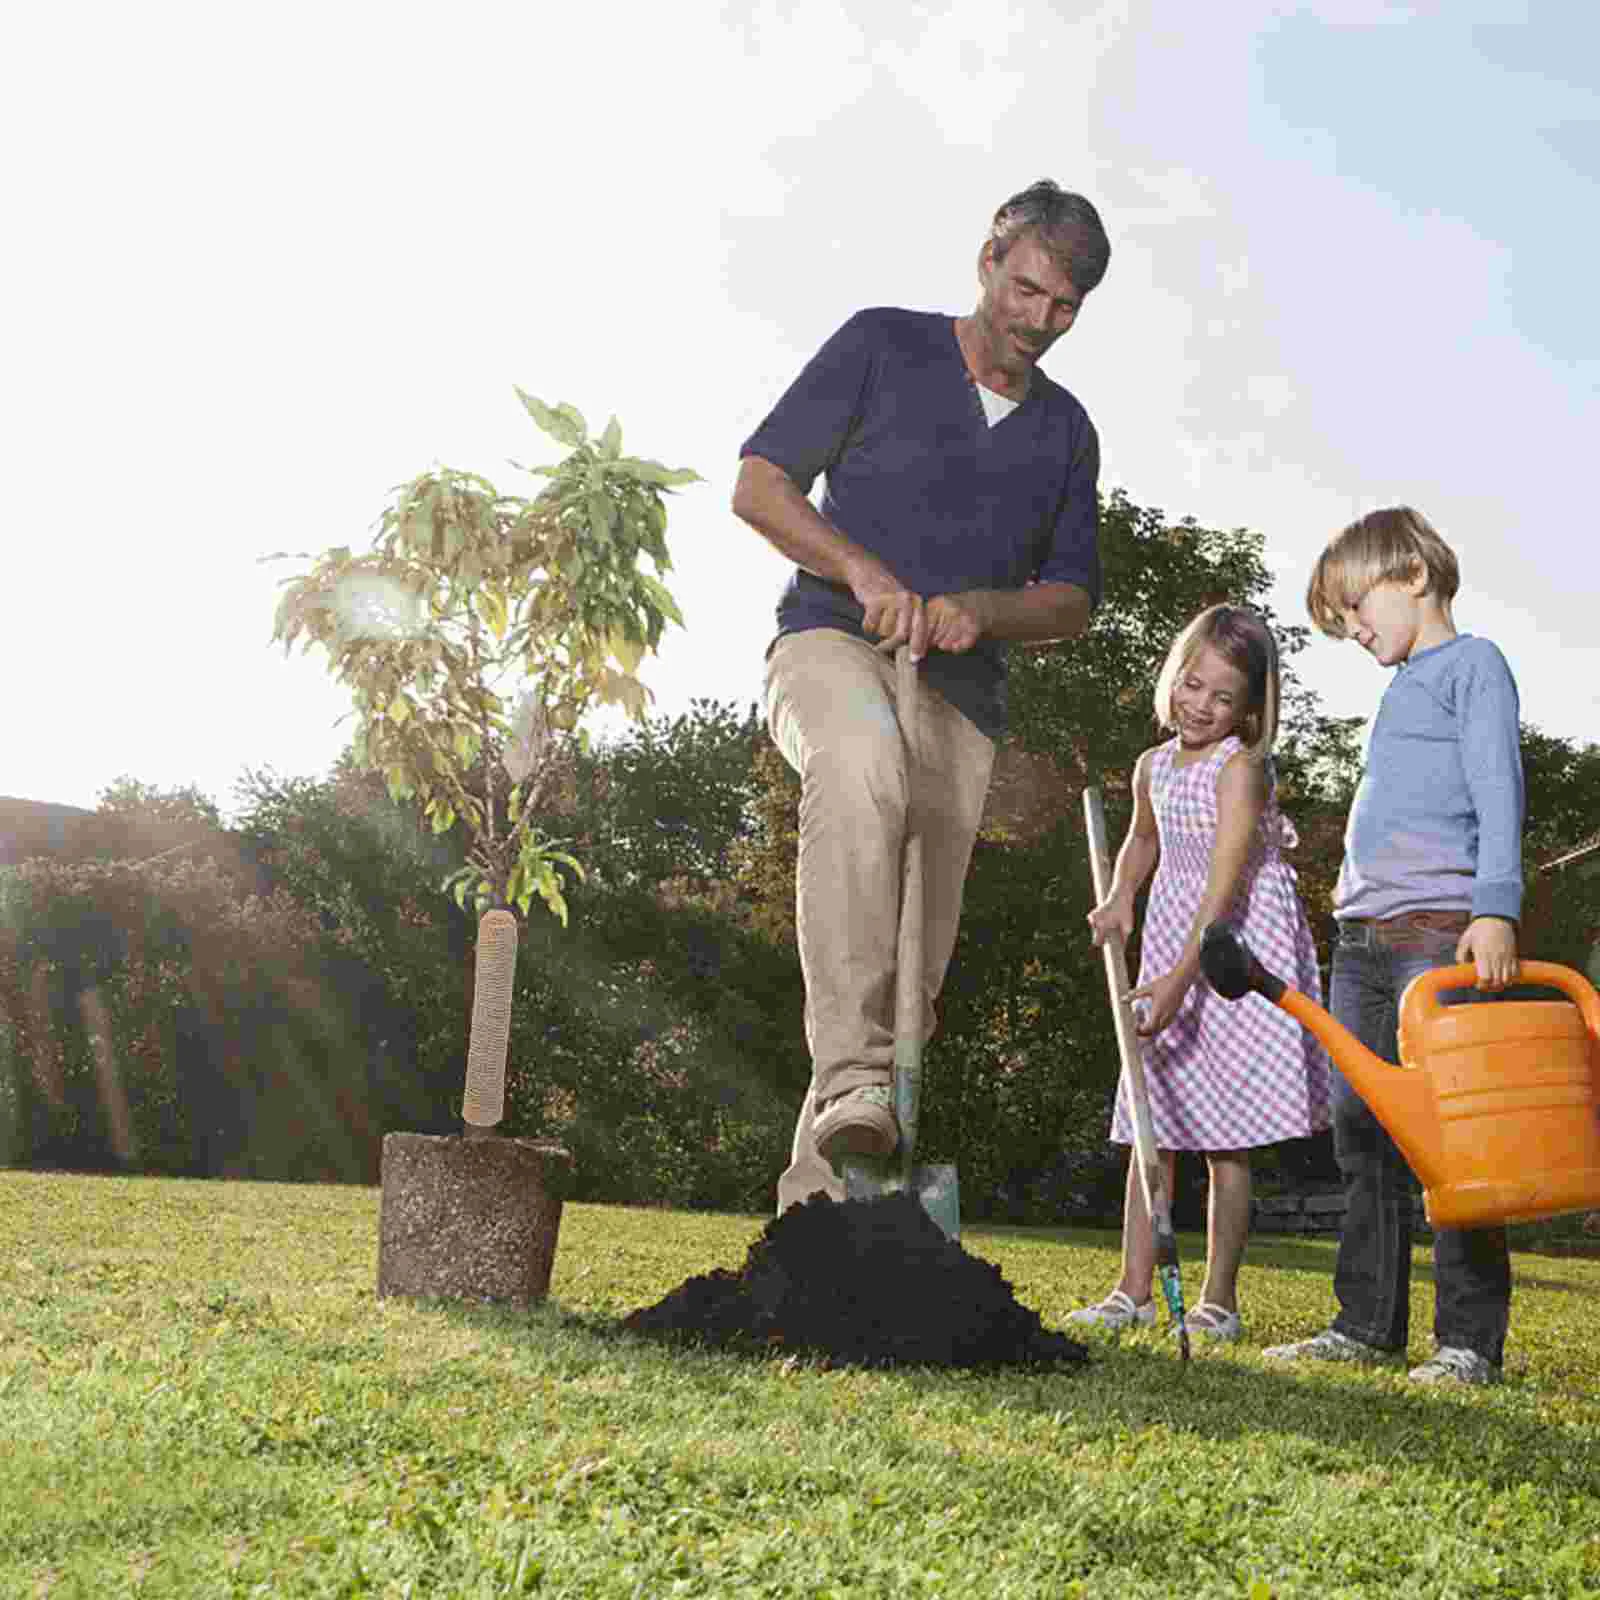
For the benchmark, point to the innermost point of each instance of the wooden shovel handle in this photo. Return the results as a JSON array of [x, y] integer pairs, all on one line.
[[1152, 1175], [908, 997]]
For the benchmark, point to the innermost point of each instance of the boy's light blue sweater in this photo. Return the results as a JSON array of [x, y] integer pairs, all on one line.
[[1437, 820]]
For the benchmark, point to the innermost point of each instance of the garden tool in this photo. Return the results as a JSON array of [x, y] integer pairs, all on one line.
[[1495, 1107], [865, 1178], [1152, 1173]]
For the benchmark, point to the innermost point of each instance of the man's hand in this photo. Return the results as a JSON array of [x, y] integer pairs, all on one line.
[[771, 502], [895, 616], [956, 622], [1491, 944], [890, 612]]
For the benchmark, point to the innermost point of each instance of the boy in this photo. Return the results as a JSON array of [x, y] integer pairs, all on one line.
[[1432, 875]]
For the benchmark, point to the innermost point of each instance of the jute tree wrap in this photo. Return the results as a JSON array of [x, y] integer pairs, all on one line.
[[484, 1103]]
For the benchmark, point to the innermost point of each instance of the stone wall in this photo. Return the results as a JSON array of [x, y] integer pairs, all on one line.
[[1316, 1210], [1321, 1211], [1309, 1211]]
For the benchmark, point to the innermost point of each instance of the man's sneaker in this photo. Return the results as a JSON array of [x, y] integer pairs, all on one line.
[[1115, 1312], [1451, 1364], [1329, 1345], [859, 1122]]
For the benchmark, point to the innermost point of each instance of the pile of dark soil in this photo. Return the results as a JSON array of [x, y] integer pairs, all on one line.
[[868, 1283]]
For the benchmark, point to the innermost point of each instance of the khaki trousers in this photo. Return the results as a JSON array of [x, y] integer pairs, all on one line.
[[831, 711]]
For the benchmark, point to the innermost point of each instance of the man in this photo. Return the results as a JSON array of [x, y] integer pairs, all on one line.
[[960, 515]]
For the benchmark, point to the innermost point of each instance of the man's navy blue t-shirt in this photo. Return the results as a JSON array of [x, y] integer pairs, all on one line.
[[914, 473]]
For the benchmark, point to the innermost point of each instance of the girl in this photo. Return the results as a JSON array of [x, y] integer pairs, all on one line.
[[1222, 1076]]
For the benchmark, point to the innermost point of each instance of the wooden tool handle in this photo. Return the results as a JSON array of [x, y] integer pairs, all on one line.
[[908, 997], [1151, 1174]]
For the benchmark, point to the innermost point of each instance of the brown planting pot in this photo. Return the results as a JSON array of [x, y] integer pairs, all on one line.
[[470, 1218]]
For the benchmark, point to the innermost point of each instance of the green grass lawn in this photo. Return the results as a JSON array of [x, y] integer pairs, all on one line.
[[200, 1394]]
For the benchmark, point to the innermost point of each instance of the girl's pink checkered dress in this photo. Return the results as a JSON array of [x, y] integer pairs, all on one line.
[[1226, 1074]]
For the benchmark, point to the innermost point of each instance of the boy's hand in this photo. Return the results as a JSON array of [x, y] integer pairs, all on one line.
[[1491, 944], [1165, 995]]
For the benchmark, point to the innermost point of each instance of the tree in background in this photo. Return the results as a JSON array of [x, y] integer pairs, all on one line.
[[1561, 901], [671, 799], [393, 949], [155, 1016], [466, 590], [136, 821], [664, 1022], [1087, 707]]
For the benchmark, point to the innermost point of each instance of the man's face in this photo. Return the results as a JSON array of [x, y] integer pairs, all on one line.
[[1028, 302]]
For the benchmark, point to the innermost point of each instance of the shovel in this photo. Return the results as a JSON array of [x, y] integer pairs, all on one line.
[[1152, 1174], [866, 1178]]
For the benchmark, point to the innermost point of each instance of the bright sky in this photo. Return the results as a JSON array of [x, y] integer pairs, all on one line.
[[267, 261]]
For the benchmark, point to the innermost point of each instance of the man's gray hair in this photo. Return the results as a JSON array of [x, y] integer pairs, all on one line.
[[1065, 224]]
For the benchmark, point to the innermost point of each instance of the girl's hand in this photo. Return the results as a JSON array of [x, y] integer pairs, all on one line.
[[1165, 995], [1113, 915]]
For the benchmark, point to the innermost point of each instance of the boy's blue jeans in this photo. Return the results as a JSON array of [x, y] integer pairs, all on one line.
[[1372, 1280]]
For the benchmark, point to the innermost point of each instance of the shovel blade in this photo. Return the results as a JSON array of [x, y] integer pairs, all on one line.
[[935, 1186]]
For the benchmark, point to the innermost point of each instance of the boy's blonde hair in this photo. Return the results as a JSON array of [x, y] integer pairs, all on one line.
[[1384, 546], [1246, 643]]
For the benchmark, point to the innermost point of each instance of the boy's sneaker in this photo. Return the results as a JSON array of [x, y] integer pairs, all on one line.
[[1329, 1345], [1451, 1364], [859, 1122], [1115, 1312]]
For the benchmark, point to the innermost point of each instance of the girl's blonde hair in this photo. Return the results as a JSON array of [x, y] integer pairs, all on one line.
[[1384, 546], [1246, 643]]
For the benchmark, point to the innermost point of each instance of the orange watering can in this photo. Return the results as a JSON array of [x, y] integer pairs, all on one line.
[[1496, 1107]]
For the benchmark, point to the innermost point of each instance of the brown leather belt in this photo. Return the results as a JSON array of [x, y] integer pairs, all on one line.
[[1410, 927]]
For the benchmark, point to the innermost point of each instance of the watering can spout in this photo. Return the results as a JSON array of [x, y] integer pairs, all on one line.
[[1400, 1097], [1232, 970]]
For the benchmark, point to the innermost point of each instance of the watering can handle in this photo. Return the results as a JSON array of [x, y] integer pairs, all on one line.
[[1422, 992]]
